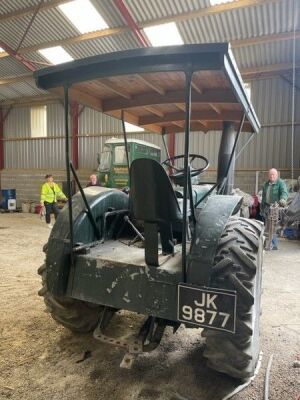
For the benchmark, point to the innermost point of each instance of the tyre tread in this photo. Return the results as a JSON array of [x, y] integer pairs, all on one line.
[[76, 315], [234, 269]]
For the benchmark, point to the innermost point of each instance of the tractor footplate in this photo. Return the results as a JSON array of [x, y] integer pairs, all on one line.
[[147, 339]]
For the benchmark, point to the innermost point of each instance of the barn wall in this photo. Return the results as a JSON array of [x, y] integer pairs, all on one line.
[[271, 147]]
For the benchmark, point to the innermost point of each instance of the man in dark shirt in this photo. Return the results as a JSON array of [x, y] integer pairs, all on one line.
[[274, 191], [93, 181]]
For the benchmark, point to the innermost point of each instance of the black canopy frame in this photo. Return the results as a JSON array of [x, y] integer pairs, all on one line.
[[187, 59]]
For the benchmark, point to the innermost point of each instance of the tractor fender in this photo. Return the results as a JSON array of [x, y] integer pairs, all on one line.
[[100, 201], [210, 224]]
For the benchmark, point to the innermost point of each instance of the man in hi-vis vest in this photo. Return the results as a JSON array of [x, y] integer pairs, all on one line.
[[50, 193]]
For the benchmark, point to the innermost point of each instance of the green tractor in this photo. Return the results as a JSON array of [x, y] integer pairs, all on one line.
[[177, 257], [113, 169]]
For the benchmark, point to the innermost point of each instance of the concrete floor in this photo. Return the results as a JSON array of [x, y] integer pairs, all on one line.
[[39, 359]]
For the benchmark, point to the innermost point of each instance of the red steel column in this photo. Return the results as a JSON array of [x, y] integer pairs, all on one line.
[[171, 148], [131, 23], [171, 144], [18, 57], [1, 139], [74, 128]]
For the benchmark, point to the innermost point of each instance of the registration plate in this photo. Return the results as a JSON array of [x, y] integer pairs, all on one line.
[[207, 307]]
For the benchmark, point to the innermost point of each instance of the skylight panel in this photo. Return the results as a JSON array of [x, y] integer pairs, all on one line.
[[216, 2], [56, 55], [83, 15], [163, 35], [133, 128]]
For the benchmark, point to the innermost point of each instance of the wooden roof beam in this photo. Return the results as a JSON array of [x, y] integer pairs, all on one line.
[[202, 123], [179, 124], [215, 108], [196, 88], [151, 85], [210, 96], [265, 39], [154, 111], [72, 40], [29, 100], [153, 128], [180, 17], [180, 106], [196, 126], [267, 70], [205, 115], [128, 117], [16, 79], [80, 97], [212, 10], [111, 88]]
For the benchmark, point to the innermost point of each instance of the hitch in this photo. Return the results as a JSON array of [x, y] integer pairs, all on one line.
[[146, 340]]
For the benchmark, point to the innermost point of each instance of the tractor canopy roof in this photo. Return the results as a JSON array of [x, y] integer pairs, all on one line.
[[114, 140], [147, 87]]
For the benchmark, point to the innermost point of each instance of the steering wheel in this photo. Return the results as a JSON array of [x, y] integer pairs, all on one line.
[[179, 172]]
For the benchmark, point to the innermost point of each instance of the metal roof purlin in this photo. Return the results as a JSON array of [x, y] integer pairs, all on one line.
[[30, 10]]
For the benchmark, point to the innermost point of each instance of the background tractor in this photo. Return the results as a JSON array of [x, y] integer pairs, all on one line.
[[175, 257], [113, 168]]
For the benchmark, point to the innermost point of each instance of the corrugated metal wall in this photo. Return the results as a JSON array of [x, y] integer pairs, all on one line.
[[272, 147], [55, 120], [92, 122], [272, 100], [17, 123]]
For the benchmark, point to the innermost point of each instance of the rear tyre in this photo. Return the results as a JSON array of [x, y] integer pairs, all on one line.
[[238, 266], [76, 315]]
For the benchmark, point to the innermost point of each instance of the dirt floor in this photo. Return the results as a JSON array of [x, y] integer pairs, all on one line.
[[42, 360]]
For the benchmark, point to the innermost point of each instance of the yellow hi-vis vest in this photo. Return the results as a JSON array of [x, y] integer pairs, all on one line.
[[50, 194]]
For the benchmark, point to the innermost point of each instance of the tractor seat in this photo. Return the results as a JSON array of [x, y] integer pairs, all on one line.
[[154, 201]]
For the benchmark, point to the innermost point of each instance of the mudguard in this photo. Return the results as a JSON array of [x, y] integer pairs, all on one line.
[[100, 201], [210, 223]]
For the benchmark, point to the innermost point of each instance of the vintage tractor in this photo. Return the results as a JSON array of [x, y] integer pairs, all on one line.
[[181, 256], [113, 167]]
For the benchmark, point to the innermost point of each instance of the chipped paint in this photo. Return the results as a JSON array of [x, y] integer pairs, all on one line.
[[125, 298], [132, 276]]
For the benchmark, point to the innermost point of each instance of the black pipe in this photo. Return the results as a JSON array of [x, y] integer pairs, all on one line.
[[227, 149], [89, 212], [190, 189], [125, 138], [209, 192], [188, 82], [66, 109]]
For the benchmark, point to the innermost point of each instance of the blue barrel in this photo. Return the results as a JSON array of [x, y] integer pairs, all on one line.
[[7, 194]]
